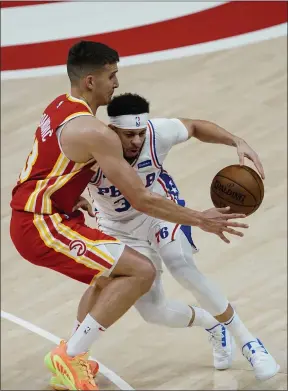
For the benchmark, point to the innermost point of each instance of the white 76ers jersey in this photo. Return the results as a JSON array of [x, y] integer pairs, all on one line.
[[161, 135]]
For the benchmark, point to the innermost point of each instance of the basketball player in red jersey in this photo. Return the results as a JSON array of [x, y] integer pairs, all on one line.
[[70, 142]]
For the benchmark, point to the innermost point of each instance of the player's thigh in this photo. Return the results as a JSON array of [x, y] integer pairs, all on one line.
[[69, 247], [103, 251], [177, 255], [134, 260], [132, 263], [163, 233]]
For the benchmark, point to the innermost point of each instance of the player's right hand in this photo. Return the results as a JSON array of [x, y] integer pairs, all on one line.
[[217, 221], [82, 203]]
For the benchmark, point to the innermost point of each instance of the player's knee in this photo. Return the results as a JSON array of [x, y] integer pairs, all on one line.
[[146, 275], [166, 314], [150, 314], [102, 282], [157, 315], [137, 266]]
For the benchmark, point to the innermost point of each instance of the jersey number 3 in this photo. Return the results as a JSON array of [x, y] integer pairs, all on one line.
[[122, 205], [29, 163]]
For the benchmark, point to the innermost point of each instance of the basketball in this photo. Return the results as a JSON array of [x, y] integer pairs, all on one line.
[[239, 187]]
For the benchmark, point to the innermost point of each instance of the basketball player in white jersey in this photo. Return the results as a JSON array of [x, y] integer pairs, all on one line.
[[146, 143]]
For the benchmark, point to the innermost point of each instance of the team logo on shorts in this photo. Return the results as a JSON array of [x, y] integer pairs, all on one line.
[[77, 247]]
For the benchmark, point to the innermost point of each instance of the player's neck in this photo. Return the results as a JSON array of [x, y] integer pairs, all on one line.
[[77, 94]]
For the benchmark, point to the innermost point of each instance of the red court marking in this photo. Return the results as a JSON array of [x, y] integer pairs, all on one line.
[[10, 4], [227, 20]]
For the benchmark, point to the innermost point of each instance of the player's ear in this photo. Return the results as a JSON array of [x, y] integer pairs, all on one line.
[[89, 81]]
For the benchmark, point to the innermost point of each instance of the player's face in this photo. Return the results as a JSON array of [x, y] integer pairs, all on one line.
[[104, 82], [132, 141]]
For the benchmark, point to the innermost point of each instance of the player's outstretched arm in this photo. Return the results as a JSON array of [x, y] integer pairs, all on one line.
[[105, 146], [208, 132]]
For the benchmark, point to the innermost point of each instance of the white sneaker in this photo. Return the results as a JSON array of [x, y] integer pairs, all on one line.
[[262, 362], [223, 347]]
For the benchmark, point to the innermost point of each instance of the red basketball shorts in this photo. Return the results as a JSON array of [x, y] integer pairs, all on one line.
[[65, 244]]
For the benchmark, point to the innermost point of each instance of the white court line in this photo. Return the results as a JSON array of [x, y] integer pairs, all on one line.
[[186, 51], [80, 21], [113, 377]]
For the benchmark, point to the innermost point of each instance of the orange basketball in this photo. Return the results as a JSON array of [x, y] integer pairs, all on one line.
[[239, 187]]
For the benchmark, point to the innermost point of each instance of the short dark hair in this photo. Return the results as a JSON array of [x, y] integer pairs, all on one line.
[[88, 56], [127, 104]]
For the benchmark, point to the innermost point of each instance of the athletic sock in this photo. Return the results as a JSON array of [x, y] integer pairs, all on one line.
[[75, 327], [239, 331], [81, 341], [204, 319]]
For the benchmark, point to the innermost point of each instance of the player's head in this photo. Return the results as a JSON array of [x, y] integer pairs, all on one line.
[[128, 115], [92, 67]]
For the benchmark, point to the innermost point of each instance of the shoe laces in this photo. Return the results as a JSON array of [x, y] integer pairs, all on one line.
[[216, 339], [86, 370], [256, 354]]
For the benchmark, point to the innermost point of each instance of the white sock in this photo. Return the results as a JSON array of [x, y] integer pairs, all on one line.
[[75, 327], [81, 341], [204, 319], [237, 328]]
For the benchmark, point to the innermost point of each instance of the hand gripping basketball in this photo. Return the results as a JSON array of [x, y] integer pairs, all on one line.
[[244, 150], [217, 221]]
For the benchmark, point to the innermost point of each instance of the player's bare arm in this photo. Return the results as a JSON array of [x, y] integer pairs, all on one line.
[[208, 132], [94, 139]]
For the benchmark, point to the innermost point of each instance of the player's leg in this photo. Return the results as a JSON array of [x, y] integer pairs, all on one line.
[[177, 256], [132, 276], [88, 299], [79, 252], [155, 307], [87, 302], [85, 305], [132, 279]]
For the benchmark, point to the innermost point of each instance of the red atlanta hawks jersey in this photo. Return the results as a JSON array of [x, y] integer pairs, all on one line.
[[50, 182]]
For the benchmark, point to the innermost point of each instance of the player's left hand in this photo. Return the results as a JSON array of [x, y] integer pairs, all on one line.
[[82, 203], [244, 150]]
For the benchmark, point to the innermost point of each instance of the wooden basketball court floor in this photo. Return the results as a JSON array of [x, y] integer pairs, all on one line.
[[243, 89]]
